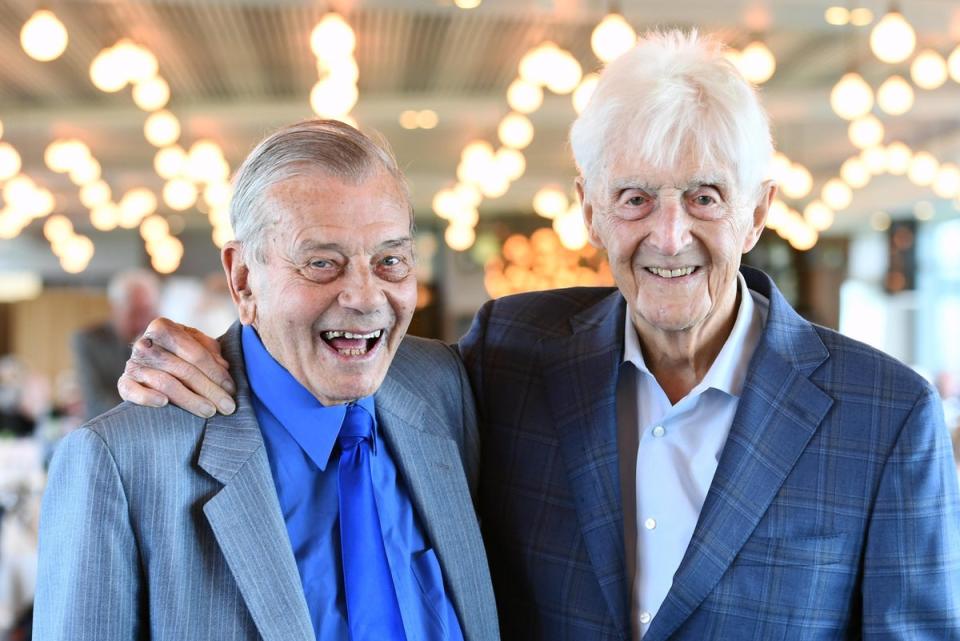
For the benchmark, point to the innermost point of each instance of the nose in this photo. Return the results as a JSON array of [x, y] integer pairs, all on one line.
[[670, 232], [361, 291]]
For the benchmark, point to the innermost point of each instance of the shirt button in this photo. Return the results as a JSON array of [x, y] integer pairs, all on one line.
[[650, 524], [645, 618], [659, 431]]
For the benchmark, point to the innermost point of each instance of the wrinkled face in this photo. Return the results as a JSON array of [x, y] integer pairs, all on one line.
[[674, 237], [337, 290]]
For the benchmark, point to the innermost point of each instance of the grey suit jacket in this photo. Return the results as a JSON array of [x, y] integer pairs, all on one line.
[[157, 524]]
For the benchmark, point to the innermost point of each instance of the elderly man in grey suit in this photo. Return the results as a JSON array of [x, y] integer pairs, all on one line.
[[336, 503]]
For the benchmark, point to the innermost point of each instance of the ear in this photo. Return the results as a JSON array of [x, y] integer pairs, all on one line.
[[588, 214], [768, 191], [238, 279]]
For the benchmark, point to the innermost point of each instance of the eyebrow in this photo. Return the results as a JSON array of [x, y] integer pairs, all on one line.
[[633, 182], [312, 245]]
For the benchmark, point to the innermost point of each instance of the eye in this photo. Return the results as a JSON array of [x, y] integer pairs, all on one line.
[[321, 264], [636, 201], [704, 200], [391, 261]]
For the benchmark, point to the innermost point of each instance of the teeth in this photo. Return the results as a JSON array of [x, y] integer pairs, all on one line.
[[337, 334], [671, 273], [353, 352]]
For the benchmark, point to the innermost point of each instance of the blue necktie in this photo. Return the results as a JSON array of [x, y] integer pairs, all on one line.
[[373, 611]]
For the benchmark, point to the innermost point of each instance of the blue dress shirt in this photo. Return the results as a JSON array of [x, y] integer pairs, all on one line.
[[300, 435]]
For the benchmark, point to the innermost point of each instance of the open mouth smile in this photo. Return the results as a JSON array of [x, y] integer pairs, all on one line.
[[352, 344], [677, 272]]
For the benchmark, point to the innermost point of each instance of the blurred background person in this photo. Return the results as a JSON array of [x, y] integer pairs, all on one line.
[[101, 351]]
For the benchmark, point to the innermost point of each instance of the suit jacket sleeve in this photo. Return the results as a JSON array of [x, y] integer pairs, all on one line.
[[89, 580], [911, 583]]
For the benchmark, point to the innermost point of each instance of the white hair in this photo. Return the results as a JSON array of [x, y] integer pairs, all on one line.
[[675, 93], [327, 146], [125, 282]]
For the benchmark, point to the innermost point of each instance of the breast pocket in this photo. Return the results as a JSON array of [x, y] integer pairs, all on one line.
[[805, 551]]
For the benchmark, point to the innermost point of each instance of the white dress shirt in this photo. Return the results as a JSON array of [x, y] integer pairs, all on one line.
[[677, 448]]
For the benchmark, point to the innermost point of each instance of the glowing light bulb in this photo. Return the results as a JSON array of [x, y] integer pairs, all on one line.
[[836, 194], [757, 63], [332, 37], [179, 194], [95, 194], [612, 37], [151, 94], [892, 39], [511, 162], [953, 64], [459, 237], [947, 182], [43, 36], [874, 159], [332, 99], [866, 131], [515, 131], [107, 73], [10, 162], [550, 202], [161, 128], [899, 157], [524, 97], [923, 169], [818, 215], [851, 97], [565, 72], [570, 228], [105, 217], [798, 182], [169, 162], [85, 172], [928, 69], [57, 228], [895, 96], [855, 172]]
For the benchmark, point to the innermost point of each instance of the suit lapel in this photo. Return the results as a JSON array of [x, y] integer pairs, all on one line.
[[429, 462], [779, 411], [245, 515], [580, 380]]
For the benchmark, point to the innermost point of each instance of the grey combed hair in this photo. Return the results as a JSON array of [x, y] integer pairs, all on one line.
[[326, 146], [675, 93]]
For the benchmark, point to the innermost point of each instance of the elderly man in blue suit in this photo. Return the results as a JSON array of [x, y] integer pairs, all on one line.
[[684, 457], [335, 503]]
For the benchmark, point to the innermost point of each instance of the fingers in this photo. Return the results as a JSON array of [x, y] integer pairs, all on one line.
[[177, 379], [140, 382], [193, 346]]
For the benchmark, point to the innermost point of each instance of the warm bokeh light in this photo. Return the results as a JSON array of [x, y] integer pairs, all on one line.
[[161, 129], [170, 162], [612, 37], [818, 215], [85, 172], [875, 159], [106, 72], [866, 131], [851, 97], [757, 63], [510, 162], [947, 182], [797, 183], [892, 39], [571, 229], [151, 94], [953, 64], [550, 202], [899, 157], [895, 95], [923, 169], [43, 36], [459, 237], [332, 99], [524, 97], [836, 194], [582, 94], [855, 172], [105, 217], [95, 193], [179, 194], [332, 37], [138, 203], [57, 228], [928, 70], [10, 162], [515, 131]]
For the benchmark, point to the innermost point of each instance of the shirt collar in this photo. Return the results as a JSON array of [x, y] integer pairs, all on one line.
[[729, 370], [313, 425]]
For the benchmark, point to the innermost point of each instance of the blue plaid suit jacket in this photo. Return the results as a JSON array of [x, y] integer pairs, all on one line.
[[833, 513]]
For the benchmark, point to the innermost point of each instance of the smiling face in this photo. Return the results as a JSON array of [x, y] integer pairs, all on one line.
[[336, 290], [674, 238]]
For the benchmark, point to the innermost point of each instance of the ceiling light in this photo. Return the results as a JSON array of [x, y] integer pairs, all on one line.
[[612, 37], [493, 184], [928, 69], [837, 16], [953, 64], [524, 97], [757, 63], [874, 159], [861, 17], [43, 36], [550, 202], [332, 37], [459, 237], [515, 131], [798, 182], [161, 128], [330, 99], [818, 215], [570, 228], [76, 255], [427, 119], [170, 162], [535, 65], [565, 72], [923, 169], [10, 162], [106, 72], [880, 221], [892, 40], [105, 217], [151, 94], [138, 203], [895, 96], [179, 194], [95, 194], [153, 228], [510, 162], [138, 64], [924, 210], [57, 228], [851, 97], [836, 194], [947, 182], [85, 172], [408, 119], [855, 173], [866, 131], [467, 4], [899, 157]]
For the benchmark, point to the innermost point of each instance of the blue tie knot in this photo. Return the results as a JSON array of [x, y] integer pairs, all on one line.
[[357, 427]]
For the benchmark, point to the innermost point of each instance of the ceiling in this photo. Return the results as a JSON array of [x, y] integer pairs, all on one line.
[[239, 68]]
